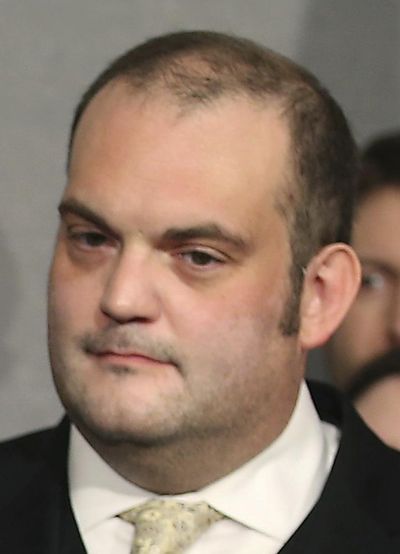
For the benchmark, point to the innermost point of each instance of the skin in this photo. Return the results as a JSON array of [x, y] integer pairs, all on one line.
[[372, 325], [169, 280], [380, 408]]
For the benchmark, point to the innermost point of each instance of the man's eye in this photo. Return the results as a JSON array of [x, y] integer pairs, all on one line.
[[89, 239], [200, 258]]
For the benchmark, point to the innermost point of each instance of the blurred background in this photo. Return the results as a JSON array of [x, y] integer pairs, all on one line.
[[51, 49]]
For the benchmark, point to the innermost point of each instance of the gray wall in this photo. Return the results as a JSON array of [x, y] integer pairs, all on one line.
[[49, 51]]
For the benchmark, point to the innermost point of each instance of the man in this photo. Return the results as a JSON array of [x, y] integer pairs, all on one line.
[[202, 251], [372, 325]]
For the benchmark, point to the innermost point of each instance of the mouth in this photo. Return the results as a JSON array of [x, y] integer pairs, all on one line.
[[123, 352], [123, 357], [122, 361]]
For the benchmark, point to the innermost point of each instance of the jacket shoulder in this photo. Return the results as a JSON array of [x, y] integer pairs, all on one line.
[[23, 457]]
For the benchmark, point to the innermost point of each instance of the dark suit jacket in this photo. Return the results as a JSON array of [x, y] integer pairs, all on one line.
[[357, 513]]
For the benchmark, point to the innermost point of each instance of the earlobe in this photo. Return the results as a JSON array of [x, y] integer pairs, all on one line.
[[331, 282]]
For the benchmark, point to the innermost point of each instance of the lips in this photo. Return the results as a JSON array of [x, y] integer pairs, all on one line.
[[126, 356], [122, 347]]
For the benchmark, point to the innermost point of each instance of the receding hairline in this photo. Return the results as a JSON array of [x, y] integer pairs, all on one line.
[[198, 67], [204, 67], [162, 95], [158, 91]]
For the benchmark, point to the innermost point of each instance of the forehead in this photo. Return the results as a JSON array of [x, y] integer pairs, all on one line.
[[224, 154]]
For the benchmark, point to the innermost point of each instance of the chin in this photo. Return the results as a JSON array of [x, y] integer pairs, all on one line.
[[115, 426]]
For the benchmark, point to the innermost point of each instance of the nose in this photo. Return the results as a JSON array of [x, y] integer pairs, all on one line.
[[129, 292]]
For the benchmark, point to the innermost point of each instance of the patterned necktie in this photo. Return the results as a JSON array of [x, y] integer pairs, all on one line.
[[167, 526]]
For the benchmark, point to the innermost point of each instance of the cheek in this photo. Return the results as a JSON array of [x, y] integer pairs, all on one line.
[[230, 307], [229, 327], [236, 364], [72, 298]]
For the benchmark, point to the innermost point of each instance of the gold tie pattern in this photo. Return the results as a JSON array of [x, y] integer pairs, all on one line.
[[167, 526]]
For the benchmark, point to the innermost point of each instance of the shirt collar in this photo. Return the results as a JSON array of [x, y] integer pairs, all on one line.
[[272, 493], [97, 492]]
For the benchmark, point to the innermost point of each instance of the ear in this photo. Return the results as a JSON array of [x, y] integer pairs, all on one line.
[[331, 282]]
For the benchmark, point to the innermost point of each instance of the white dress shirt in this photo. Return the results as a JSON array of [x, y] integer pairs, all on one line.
[[265, 500]]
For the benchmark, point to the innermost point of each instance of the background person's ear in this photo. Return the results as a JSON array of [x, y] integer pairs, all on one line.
[[331, 281]]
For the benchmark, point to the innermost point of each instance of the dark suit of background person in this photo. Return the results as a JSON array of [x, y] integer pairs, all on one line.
[[202, 252]]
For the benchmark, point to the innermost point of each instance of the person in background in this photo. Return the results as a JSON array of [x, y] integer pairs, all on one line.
[[375, 392], [202, 252], [372, 325]]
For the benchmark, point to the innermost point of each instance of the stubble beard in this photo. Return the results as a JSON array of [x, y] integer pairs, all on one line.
[[100, 421], [100, 417]]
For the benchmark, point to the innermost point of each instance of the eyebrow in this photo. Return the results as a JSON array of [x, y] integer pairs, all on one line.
[[74, 207], [210, 231]]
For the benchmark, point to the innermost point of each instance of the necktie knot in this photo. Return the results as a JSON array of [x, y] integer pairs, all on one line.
[[168, 526]]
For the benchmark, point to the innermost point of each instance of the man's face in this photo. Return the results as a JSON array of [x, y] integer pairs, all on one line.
[[170, 272], [372, 325]]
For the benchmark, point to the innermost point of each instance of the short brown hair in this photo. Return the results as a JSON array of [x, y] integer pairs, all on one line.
[[199, 67]]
